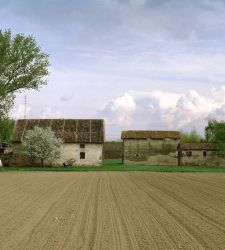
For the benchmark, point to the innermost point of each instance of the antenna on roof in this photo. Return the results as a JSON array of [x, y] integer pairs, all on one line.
[[25, 107]]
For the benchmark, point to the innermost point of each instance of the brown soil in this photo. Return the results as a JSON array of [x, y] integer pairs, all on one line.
[[114, 210]]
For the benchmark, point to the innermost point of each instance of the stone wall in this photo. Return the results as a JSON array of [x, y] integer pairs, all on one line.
[[69, 151], [151, 151], [202, 158]]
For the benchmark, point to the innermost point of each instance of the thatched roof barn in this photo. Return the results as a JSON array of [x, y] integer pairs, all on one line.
[[150, 147]]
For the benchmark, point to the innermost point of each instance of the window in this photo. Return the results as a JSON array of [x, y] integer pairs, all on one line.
[[204, 153], [82, 155], [189, 153], [82, 145]]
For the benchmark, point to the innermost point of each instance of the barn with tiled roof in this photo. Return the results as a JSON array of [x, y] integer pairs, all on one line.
[[83, 140]]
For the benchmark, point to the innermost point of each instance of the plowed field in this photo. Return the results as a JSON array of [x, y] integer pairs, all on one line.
[[112, 210]]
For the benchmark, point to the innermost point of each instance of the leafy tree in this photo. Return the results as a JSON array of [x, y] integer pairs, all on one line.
[[219, 134], [6, 103], [41, 143], [215, 132], [193, 136], [210, 130], [6, 129], [22, 66]]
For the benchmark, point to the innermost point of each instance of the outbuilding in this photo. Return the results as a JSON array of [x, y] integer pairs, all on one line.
[[201, 154], [83, 140], [150, 147]]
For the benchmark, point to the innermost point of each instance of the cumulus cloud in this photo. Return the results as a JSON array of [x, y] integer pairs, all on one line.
[[44, 113], [120, 110], [164, 110], [49, 112]]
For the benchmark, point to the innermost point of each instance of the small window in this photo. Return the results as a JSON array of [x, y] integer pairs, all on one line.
[[189, 153], [204, 153], [82, 155], [82, 145]]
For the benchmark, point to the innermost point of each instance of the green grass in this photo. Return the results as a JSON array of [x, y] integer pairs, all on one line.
[[116, 165]]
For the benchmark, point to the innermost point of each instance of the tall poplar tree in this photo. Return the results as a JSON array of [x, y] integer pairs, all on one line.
[[22, 66]]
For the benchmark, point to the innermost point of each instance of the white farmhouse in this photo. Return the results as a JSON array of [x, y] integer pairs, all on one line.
[[83, 140]]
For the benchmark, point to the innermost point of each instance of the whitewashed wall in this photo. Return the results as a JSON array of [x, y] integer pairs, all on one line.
[[69, 151]]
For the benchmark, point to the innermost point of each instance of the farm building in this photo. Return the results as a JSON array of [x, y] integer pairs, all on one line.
[[150, 147], [83, 140], [202, 154]]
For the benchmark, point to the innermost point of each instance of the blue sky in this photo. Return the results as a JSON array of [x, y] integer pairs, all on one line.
[[139, 64]]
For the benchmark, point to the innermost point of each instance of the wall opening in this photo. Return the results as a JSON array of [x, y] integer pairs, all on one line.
[[189, 153], [82, 155], [204, 153]]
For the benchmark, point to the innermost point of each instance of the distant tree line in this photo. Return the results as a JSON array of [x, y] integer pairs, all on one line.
[[192, 136]]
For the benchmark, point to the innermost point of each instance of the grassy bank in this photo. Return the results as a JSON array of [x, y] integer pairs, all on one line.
[[116, 165]]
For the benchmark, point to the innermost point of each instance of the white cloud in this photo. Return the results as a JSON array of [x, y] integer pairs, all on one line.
[[111, 46], [120, 110], [164, 110], [126, 102], [44, 113], [49, 112]]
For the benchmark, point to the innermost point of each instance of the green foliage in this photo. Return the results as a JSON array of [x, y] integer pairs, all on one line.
[[6, 103], [220, 137], [6, 129], [215, 132], [22, 66], [193, 136], [41, 143], [210, 130]]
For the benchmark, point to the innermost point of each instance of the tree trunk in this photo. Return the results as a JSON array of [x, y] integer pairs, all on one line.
[[179, 154], [42, 163]]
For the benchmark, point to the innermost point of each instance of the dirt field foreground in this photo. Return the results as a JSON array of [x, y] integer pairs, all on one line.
[[112, 210]]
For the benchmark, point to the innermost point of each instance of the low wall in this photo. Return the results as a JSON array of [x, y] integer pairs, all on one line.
[[69, 151]]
